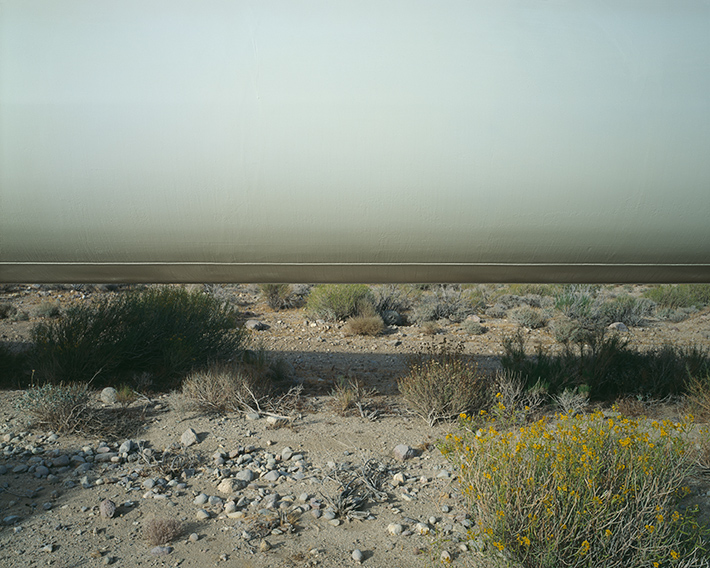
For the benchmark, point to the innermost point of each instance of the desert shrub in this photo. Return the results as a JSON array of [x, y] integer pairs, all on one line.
[[626, 309], [676, 315], [699, 393], [606, 366], [48, 310], [62, 408], [551, 290], [161, 531], [474, 328], [497, 311], [440, 385], [166, 332], [582, 491], [576, 302], [335, 302], [7, 310], [348, 394], [12, 367], [430, 328], [445, 302], [679, 295], [227, 388], [526, 316], [365, 325], [391, 298], [514, 401], [125, 395], [279, 296]]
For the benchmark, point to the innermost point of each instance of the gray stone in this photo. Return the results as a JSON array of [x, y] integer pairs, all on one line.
[[229, 486], [246, 475], [189, 438], [201, 499], [358, 556], [22, 468], [286, 453], [61, 461], [215, 501], [107, 508], [41, 471], [618, 326], [202, 514], [148, 483], [161, 550], [256, 325], [272, 476], [395, 529], [127, 447], [11, 519], [3, 470], [404, 452], [194, 537], [109, 395], [252, 416]]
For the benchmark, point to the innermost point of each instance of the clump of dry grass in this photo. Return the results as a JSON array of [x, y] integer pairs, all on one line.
[[699, 394], [441, 385], [62, 408], [365, 325], [430, 328], [161, 531], [224, 389]]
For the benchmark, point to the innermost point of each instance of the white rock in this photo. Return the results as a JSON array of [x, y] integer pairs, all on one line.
[[395, 529], [109, 395], [403, 452], [618, 326], [445, 557], [189, 438], [286, 453], [398, 479], [358, 556], [422, 528], [201, 499], [202, 514], [228, 486]]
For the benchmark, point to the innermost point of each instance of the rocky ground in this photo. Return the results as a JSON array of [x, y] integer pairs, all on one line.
[[256, 490]]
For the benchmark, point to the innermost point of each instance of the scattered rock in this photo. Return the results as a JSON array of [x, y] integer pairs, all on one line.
[[189, 438], [161, 550], [618, 326], [229, 486], [445, 557], [194, 537], [246, 475], [202, 514], [201, 499], [264, 545], [404, 452], [272, 476], [395, 529], [252, 416], [107, 508], [109, 395], [358, 556], [11, 519], [256, 325]]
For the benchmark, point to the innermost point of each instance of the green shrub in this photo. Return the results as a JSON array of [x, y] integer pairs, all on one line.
[[166, 332], [680, 295], [607, 366], [335, 302], [440, 385], [48, 310], [391, 298], [583, 491], [62, 408]]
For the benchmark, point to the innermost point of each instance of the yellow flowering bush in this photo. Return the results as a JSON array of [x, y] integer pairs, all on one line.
[[582, 491]]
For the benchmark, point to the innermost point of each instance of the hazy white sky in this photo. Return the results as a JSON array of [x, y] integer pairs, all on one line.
[[120, 121]]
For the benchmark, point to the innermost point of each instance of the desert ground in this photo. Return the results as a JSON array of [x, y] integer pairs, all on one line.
[[286, 511]]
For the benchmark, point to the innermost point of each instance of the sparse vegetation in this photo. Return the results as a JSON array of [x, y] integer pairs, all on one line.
[[349, 394], [223, 389], [607, 366], [441, 384], [680, 295], [159, 531], [335, 302], [446, 302], [7, 310], [62, 408], [582, 491], [278, 296], [48, 310], [365, 325], [474, 328], [526, 316], [166, 332]]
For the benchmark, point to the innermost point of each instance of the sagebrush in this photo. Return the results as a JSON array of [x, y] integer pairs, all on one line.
[[335, 302]]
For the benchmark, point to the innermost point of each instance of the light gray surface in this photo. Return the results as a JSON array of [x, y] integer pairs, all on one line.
[[355, 140]]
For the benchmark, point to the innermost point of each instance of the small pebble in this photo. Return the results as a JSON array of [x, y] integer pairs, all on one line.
[[445, 557], [160, 550], [202, 514], [395, 529], [194, 537], [264, 545], [358, 556]]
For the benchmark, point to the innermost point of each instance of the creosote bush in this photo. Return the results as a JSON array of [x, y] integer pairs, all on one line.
[[161, 531], [583, 491], [334, 302], [526, 316], [445, 302], [439, 385], [164, 331], [278, 296], [680, 295]]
